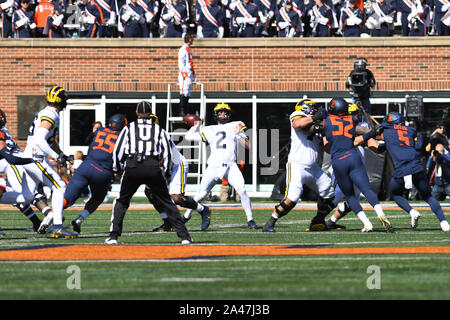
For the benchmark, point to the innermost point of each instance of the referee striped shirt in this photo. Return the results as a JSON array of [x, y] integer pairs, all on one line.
[[146, 138]]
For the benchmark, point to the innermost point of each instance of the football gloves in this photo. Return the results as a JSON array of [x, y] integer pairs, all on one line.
[[62, 159], [320, 114]]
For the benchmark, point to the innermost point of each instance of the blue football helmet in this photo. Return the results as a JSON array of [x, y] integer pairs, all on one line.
[[117, 122], [394, 118], [338, 106]]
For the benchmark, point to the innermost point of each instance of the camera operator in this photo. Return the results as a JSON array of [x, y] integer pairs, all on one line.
[[359, 83], [438, 169]]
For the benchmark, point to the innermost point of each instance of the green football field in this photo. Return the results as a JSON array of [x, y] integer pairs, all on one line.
[[228, 261]]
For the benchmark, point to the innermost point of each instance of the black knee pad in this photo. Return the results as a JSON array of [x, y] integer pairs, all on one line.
[[187, 202], [285, 206], [325, 206]]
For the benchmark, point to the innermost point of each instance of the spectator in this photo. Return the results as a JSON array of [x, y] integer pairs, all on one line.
[[438, 137], [7, 9], [287, 20], [210, 21], [321, 19], [55, 26], [352, 20], [43, 10], [440, 9], [23, 21], [266, 13], [381, 20], [173, 19], [438, 168], [419, 19], [151, 8], [244, 18], [133, 20]]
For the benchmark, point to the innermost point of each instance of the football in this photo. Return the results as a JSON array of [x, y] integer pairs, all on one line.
[[190, 119]]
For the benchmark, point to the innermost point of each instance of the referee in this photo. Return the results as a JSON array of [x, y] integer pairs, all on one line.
[[143, 152]]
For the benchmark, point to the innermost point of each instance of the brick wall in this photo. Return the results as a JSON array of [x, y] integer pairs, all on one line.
[[29, 67]]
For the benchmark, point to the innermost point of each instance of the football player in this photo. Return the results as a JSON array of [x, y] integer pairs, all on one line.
[[302, 167], [223, 139], [41, 144], [95, 171], [404, 145], [341, 140], [18, 180], [177, 183]]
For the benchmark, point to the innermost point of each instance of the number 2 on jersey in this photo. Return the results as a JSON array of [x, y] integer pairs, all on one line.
[[223, 135], [103, 140]]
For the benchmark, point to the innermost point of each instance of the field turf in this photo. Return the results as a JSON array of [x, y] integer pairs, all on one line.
[[224, 267]]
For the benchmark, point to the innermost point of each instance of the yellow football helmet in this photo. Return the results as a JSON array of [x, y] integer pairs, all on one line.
[[222, 107], [308, 106], [57, 96], [352, 108]]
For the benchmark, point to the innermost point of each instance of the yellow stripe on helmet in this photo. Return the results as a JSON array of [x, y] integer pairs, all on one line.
[[221, 106]]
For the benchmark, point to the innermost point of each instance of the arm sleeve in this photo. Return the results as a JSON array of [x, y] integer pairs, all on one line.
[[192, 135], [167, 153], [13, 159], [119, 150], [41, 142]]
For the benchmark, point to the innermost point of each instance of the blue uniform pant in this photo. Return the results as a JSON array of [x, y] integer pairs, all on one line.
[[419, 181], [6, 26], [352, 31], [92, 175], [322, 31], [382, 32], [350, 171], [440, 192]]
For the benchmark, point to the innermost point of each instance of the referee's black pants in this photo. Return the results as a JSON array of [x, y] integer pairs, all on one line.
[[148, 172]]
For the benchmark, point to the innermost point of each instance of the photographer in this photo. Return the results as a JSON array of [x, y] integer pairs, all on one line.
[[438, 168], [359, 83]]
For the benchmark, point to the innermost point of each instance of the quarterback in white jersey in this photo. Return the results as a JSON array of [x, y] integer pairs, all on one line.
[[186, 75], [40, 145], [223, 139], [177, 184], [302, 167]]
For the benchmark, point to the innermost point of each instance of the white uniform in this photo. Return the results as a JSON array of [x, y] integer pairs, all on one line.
[[186, 75], [42, 170], [180, 169], [222, 161], [18, 182], [302, 167]]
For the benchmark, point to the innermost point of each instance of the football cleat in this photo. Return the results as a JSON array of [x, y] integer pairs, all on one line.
[[317, 224], [367, 228], [2, 234], [270, 225], [58, 231], [252, 225], [43, 228], [386, 224], [445, 226], [187, 241], [111, 240], [163, 228], [415, 215], [267, 228], [330, 225], [76, 224], [206, 218]]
